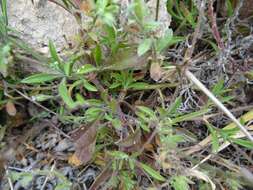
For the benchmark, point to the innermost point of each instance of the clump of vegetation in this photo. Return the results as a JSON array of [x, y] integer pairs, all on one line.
[[132, 98]]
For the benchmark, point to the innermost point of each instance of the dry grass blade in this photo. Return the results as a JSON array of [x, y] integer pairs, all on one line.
[[191, 77], [200, 175], [222, 147], [9, 179], [205, 142]]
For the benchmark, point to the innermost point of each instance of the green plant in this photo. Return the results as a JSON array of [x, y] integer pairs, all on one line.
[[184, 12], [113, 85], [25, 178], [3, 20]]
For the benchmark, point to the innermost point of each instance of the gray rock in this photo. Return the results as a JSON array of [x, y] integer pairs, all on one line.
[[63, 145], [41, 21]]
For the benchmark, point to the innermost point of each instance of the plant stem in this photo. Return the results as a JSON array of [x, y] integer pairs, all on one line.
[[157, 10]]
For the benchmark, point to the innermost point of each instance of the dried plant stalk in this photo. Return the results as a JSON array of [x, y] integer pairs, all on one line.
[[191, 77]]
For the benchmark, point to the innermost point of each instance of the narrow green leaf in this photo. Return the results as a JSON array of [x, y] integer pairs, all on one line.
[[89, 86], [138, 86], [190, 116], [165, 41], [80, 99], [4, 11], [42, 97], [229, 8], [188, 14], [119, 155], [171, 141], [175, 105], [5, 55], [66, 3], [242, 142], [40, 78], [87, 68], [15, 175], [63, 186], [53, 52], [156, 175], [151, 25], [215, 141], [144, 127], [144, 46], [111, 33], [214, 137], [92, 114], [143, 117], [116, 123], [115, 85], [97, 54], [101, 5], [26, 179], [218, 88], [249, 75], [146, 111], [180, 183], [63, 91], [214, 46], [140, 10], [68, 66]]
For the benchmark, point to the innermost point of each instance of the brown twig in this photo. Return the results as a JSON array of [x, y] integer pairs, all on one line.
[[196, 35], [215, 31]]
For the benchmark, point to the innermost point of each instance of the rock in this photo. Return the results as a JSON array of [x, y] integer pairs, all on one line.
[[63, 145], [163, 16], [41, 21]]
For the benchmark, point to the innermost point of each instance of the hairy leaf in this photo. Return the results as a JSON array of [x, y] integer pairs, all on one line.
[[144, 46], [153, 173], [63, 91], [53, 52], [40, 78]]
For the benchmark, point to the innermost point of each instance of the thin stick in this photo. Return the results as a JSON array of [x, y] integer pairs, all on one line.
[[157, 10], [196, 35], [215, 30], [58, 129], [191, 77], [9, 179], [36, 103], [153, 134], [47, 178]]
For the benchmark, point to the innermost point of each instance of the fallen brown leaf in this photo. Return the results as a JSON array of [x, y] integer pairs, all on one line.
[[74, 161], [126, 59], [103, 176], [156, 71], [19, 119], [10, 108], [85, 141], [85, 6], [131, 140]]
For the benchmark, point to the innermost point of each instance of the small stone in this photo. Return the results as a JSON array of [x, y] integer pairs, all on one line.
[[63, 145]]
